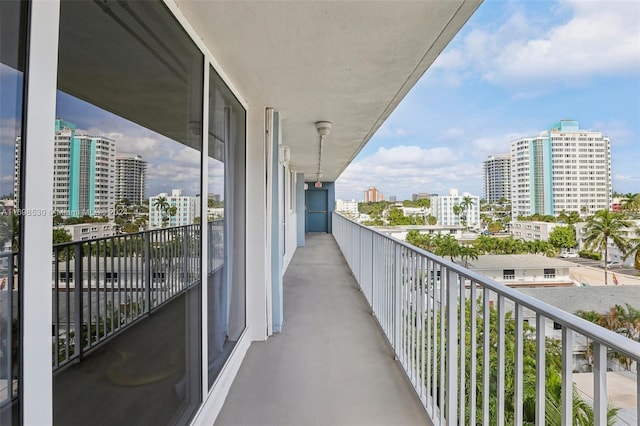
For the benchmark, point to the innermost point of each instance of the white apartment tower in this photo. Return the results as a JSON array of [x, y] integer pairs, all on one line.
[[497, 178], [131, 174], [563, 169], [84, 173], [186, 209], [442, 207]]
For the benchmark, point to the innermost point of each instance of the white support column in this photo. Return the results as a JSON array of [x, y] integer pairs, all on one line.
[[36, 242], [257, 253]]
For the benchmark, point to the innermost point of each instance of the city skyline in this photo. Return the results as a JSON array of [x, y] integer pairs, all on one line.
[[514, 70]]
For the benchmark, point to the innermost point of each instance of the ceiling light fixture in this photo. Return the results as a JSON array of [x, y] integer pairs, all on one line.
[[323, 128]]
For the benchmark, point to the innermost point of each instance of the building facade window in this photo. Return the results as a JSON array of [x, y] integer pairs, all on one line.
[[508, 274]]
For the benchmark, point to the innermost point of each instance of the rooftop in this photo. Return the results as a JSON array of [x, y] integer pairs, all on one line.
[[516, 261]]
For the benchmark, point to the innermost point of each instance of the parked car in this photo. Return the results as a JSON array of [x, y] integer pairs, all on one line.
[[569, 255], [612, 264]]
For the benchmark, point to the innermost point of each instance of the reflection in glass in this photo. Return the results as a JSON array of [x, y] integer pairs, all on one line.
[[126, 269], [225, 224], [13, 30]]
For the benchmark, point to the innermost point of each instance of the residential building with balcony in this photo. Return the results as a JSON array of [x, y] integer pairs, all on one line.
[[497, 178], [84, 172], [131, 178], [190, 324], [564, 168]]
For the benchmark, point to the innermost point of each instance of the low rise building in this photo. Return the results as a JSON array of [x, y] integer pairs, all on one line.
[[533, 230], [400, 232], [90, 231], [347, 207], [523, 270]]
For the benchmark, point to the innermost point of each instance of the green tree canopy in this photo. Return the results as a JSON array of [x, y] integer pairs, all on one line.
[[372, 209], [60, 236], [563, 237]]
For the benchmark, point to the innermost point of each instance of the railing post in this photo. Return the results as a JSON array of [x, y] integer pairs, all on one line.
[[599, 384], [147, 270], [77, 273], [452, 348], [397, 302], [185, 263], [541, 362], [567, 376]]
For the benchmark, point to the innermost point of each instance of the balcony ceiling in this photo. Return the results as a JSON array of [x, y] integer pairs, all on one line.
[[350, 63]]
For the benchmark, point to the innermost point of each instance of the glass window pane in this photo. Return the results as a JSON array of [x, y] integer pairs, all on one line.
[[127, 184], [225, 223], [13, 34]]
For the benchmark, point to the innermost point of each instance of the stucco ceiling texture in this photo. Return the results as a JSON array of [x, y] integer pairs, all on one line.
[[346, 62]]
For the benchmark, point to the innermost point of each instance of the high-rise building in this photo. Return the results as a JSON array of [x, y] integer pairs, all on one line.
[[186, 209], [442, 207], [84, 172], [563, 169], [131, 174], [497, 178], [372, 195]]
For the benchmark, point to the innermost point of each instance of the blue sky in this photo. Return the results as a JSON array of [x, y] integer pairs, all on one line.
[[514, 70]]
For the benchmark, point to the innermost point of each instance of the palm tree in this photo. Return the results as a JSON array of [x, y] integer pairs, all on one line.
[[603, 227], [161, 204], [457, 210], [447, 246], [466, 204], [633, 250], [468, 252], [631, 202]]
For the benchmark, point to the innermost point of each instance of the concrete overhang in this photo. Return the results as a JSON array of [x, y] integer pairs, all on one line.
[[350, 63]]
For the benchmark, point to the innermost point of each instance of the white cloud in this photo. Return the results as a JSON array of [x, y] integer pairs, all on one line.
[[599, 38], [392, 131], [404, 170], [9, 129], [624, 178]]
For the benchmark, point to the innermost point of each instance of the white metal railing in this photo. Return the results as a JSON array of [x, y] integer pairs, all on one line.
[[418, 299]]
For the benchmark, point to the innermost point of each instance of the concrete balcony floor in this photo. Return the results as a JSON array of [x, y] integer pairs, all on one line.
[[331, 364]]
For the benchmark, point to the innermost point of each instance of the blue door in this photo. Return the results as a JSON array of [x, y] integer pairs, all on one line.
[[317, 210]]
